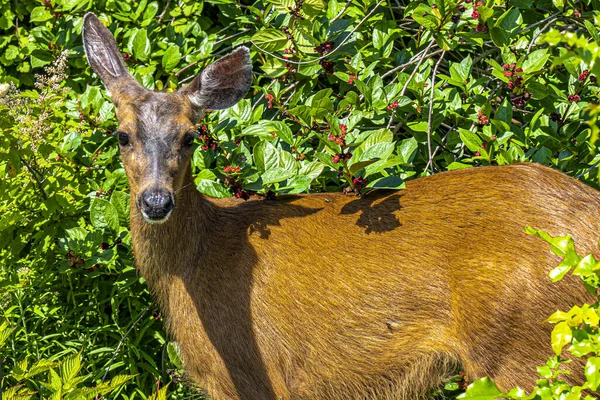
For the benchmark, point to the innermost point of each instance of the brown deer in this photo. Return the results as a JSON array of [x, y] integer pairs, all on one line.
[[330, 296]]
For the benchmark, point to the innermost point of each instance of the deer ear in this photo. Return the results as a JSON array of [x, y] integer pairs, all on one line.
[[103, 54], [223, 83]]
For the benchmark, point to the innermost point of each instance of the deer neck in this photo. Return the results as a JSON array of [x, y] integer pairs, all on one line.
[[164, 249]]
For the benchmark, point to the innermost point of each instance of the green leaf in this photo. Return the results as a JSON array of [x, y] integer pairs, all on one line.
[[560, 337], [470, 139], [149, 13], [121, 200], [535, 61], [212, 189], [141, 45], [481, 389], [593, 31], [171, 58], [40, 14], [266, 156], [312, 8], [103, 214], [506, 27], [422, 14], [592, 372], [69, 368], [270, 39], [379, 151], [388, 182], [277, 174], [174, 353], [312, 169]]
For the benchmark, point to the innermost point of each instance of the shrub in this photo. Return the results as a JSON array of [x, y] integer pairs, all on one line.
[[353, 96]]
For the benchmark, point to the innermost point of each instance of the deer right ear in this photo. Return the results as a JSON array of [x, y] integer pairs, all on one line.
[[103, 54], [223, 83]]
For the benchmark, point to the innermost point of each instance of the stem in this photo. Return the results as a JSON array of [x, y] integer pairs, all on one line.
[[34, 173], [429, 117]]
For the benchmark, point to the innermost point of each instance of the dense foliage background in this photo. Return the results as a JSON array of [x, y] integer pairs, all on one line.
[[349, 96]]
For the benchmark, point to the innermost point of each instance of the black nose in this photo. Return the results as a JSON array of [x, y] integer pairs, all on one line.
[[156, 204]]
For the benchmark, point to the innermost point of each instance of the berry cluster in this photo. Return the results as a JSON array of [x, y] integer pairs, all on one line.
[[463, 383], [475, 13], [324, 47], [236, 188], [48, 4], [289, 65], [481, 28], [341, 157], [270, 99], [393, 105], [73, 260], [232, 170], [207, 141], [359, 183], [556, 117], [327, 66], [175, 377], [286, 30], [511, 72], [574, 98], [341, 139], [482, 119], [351, 79], [295, 12], [519, 97]]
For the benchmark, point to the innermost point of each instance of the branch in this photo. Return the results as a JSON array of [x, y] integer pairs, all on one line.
[[121, 342], [328, 54], [431, 109], [34, 173], [417, 67]]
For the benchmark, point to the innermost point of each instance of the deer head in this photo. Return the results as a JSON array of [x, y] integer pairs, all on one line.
[[156, 130]]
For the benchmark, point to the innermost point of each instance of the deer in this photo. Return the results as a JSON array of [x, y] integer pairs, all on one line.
[[333, 296]]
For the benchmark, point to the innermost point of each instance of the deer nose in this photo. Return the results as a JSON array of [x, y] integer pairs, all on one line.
[[156, 204]]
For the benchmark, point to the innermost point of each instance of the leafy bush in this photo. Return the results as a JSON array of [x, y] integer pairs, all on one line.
[[351, 96], [577, 330]]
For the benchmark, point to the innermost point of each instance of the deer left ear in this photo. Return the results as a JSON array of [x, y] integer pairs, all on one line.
[[223, 83]]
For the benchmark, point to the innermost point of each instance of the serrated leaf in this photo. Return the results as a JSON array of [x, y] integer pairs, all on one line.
[[69, 368]]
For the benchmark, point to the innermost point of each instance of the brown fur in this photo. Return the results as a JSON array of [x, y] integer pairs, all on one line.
[[333, 297]]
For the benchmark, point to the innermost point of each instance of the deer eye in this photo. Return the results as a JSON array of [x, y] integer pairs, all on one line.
[[123, 138], [188, 139]]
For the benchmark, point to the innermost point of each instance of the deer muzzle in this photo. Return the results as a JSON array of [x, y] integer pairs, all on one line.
[[156, 205]]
